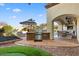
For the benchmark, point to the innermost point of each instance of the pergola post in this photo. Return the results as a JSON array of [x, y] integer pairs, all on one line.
[[78, 29]]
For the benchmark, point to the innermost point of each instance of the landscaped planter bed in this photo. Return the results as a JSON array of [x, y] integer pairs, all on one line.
[[8, 40], [3, 38]]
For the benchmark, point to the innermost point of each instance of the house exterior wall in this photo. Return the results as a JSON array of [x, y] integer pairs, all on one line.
[[30, 27], [43, 27], [61, 9]]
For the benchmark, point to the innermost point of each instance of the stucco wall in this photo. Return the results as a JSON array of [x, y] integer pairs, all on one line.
[[61, 9]]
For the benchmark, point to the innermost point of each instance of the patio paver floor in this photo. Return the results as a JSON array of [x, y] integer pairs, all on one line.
[[53, 43], [55, 47]]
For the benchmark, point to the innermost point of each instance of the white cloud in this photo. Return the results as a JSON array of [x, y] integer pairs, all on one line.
[[2, 4], [40, 15], [17, 10], [13, 17], [7, 8]]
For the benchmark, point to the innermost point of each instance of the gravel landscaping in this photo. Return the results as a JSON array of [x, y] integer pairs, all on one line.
[[60, 51]]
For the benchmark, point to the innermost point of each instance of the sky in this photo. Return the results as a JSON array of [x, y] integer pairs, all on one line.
[[14, 13]]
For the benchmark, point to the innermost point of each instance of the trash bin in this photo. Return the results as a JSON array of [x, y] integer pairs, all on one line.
[[38, 36]]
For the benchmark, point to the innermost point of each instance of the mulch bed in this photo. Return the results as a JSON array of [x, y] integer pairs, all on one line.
[[10, 42]]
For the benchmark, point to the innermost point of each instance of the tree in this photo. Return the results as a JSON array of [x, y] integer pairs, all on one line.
[[8, 29], [24, 29], [1, 31]]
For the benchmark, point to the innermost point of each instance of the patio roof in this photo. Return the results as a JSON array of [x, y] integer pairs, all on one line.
[[30, 21], [50, 5]]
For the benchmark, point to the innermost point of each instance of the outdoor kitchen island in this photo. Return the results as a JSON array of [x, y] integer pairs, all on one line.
[[44, 35]]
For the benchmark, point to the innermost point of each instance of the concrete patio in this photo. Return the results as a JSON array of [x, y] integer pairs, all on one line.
[[53, 43]]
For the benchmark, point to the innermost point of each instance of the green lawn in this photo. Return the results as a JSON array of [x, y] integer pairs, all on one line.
[[22, 51]]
